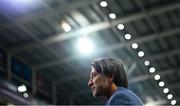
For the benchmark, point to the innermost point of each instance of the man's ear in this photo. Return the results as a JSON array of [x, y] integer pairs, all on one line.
[[111, 78]]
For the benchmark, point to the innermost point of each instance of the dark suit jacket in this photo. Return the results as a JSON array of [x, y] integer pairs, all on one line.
[[124, 96]]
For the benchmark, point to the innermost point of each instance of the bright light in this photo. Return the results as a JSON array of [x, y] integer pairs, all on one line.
[[21, 5], [157, 77], [25, 95], [150, 104], [165, 90], [128, 36], [120, 26], [24, 1], [85, 45], [170, 96], [152, 70], [173, 102], [134, 45], [66, 26], [103, 4], [112, 15], [161, 84], [9, 104], [146, 63], [22, 88], [140, 53]]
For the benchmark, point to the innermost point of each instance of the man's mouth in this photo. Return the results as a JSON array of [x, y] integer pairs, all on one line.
[[92, 89]]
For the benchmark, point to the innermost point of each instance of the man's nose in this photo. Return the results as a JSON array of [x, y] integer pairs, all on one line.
[[90, 83]]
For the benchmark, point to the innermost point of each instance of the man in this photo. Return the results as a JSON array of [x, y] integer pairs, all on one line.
[[108, 78]]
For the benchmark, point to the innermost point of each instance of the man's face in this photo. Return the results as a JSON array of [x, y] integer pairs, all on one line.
[[99, 84]]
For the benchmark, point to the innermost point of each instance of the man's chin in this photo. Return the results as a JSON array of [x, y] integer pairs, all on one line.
[[95, 94]]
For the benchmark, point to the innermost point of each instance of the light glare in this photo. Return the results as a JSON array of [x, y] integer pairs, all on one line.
[[66, 27], [146, 63], [23, 6], [157, 77], [161, 84], [134, 45], [112, 15], [140, 53], [120, 26], [22, 88], [128, 36], [24, 1], [85, 45], [173, 102], [170, 96], [165, 90], [152, 70], [103, 4], [25, 95]]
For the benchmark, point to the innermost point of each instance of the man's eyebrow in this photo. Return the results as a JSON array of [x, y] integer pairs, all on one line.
[[92, 73]]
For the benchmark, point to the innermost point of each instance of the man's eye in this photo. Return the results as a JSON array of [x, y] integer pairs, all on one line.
[[94, 75]]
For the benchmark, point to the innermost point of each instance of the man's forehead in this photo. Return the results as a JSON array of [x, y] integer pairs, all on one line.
[[93, 69]]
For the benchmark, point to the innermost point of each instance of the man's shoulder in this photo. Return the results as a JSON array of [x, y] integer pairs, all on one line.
[[121, 92], [124, 96], [124, 93]]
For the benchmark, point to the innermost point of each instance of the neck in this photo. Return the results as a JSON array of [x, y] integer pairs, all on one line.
[[113, 89]]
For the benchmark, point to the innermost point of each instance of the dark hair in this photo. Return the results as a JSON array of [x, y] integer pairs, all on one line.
[[111, 67]]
